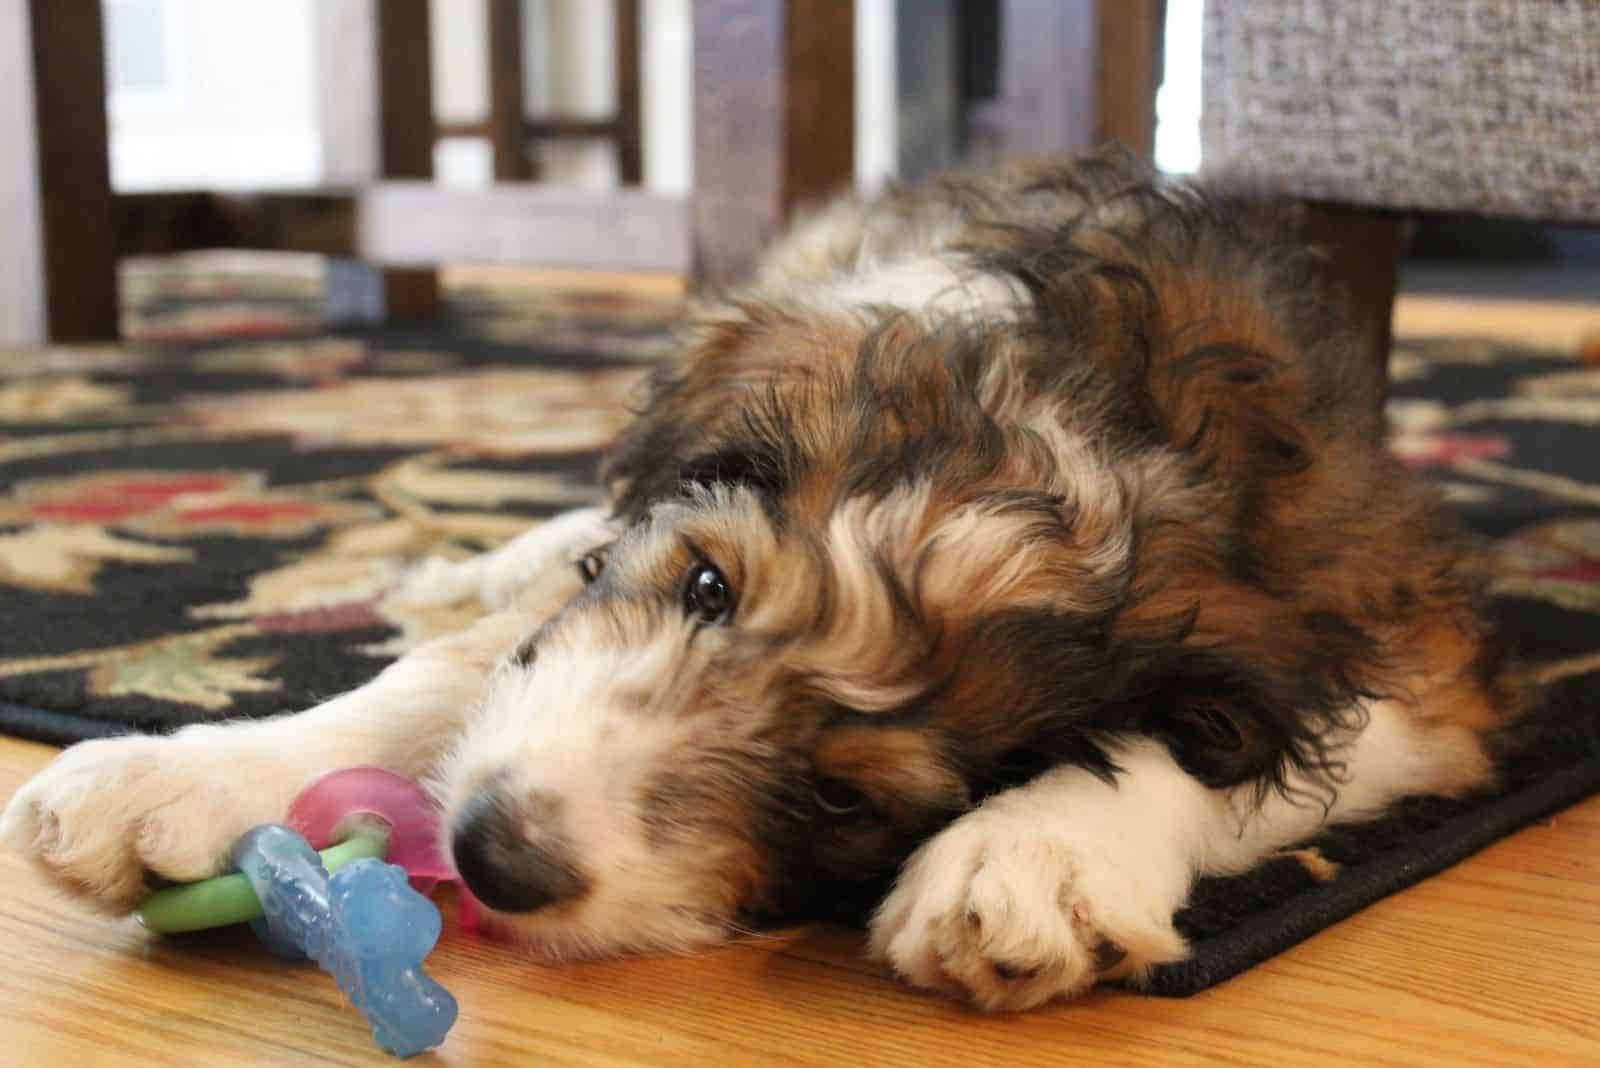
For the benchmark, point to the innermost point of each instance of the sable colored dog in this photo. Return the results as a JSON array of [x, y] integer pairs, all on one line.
[[1005, 555]]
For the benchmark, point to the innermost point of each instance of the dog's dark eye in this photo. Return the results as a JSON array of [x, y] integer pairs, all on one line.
[[837, 798], [590, 566], [706, 594]]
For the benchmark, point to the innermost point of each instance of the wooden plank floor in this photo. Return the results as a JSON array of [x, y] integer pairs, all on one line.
[[1494, 963]]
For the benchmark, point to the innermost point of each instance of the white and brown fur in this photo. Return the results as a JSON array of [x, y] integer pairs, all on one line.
[[1064, 564]]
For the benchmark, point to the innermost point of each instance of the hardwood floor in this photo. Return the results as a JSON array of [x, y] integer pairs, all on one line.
[[1494, 963]]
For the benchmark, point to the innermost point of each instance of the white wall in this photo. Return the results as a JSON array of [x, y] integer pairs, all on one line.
[[238, 110]]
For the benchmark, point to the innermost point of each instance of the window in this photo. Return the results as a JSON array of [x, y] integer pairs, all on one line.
[[143, 61]]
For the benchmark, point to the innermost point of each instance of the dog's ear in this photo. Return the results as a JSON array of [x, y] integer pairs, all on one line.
[[1037, 688], [1252, 705], [717, 414], [1222, 723], [687, 411]]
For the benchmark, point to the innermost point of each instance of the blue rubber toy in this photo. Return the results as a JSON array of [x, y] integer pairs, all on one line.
[[364, 925]]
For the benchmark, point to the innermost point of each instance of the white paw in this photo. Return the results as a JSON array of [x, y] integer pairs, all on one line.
[[550, 550], [440, 581], [109, 818], [501, 577], [1011, 915]]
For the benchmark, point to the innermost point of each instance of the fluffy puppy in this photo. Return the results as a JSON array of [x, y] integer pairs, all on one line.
[[1007, 554]]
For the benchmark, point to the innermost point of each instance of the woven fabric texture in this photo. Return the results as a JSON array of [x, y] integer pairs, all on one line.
[[1484, 106]]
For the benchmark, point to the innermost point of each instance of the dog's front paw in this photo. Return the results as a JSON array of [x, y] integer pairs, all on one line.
[[110, 818], [1010, 915], [540, 564]]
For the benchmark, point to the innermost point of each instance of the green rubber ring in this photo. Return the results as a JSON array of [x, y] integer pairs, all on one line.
[[229, 899]]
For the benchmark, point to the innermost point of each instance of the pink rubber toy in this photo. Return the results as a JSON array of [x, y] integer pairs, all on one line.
[[323, 810]]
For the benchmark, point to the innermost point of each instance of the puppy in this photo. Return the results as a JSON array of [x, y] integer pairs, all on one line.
[[1004, 556]]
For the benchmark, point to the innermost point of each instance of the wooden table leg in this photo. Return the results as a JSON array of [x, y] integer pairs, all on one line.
[[629, 136], [774, 105], [406, 132], [1362, 249], [58, 277], [508, 124], [1128, 72]]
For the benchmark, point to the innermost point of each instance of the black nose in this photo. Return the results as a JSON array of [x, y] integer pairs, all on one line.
[[505, 868]]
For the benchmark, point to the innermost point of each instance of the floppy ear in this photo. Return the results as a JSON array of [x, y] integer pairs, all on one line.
[[1224, 724], [1250, 704], [1037, 688], [688, 404], [721, 413]]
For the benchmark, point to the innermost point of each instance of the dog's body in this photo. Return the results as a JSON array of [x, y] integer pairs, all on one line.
[[1027, 543]]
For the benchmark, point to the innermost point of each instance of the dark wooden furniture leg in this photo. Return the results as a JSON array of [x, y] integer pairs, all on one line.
[[629, 123], [1128, 62], [1361, 259], [406, 132], [508, 125], [774, 101], [74, 222]]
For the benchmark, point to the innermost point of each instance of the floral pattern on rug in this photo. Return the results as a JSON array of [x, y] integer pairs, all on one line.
[[215, 526]]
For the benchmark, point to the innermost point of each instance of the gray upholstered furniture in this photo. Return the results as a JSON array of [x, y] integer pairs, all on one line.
[[1372, 109]]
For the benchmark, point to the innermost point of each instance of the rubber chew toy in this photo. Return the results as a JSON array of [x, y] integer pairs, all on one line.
[[364, 925], [367, 924]]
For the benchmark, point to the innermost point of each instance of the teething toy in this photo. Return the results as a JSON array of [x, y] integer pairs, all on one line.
[[364, 925], [367, 923]]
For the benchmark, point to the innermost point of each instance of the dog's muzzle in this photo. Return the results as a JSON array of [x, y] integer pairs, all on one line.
[[514, 854]]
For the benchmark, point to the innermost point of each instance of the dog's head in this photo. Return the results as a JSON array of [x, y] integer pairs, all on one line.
[[870, 573]]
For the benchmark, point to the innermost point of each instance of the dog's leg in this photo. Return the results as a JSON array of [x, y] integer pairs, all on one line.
[[1046, 888], [109, 817]]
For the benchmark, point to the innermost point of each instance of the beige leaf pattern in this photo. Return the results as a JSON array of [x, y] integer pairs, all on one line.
[[57, 558]]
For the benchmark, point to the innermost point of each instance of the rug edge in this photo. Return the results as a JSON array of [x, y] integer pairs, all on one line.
[[1277, 929]]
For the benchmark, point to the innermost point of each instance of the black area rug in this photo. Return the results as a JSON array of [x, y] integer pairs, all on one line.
[[1511, 437], [203, 527]]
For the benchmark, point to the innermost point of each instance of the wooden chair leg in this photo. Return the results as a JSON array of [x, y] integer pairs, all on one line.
[[1361, 260], [774, 100], [508, 125], [629, 135], [1128, 59], [58, 276], [406, 132]]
